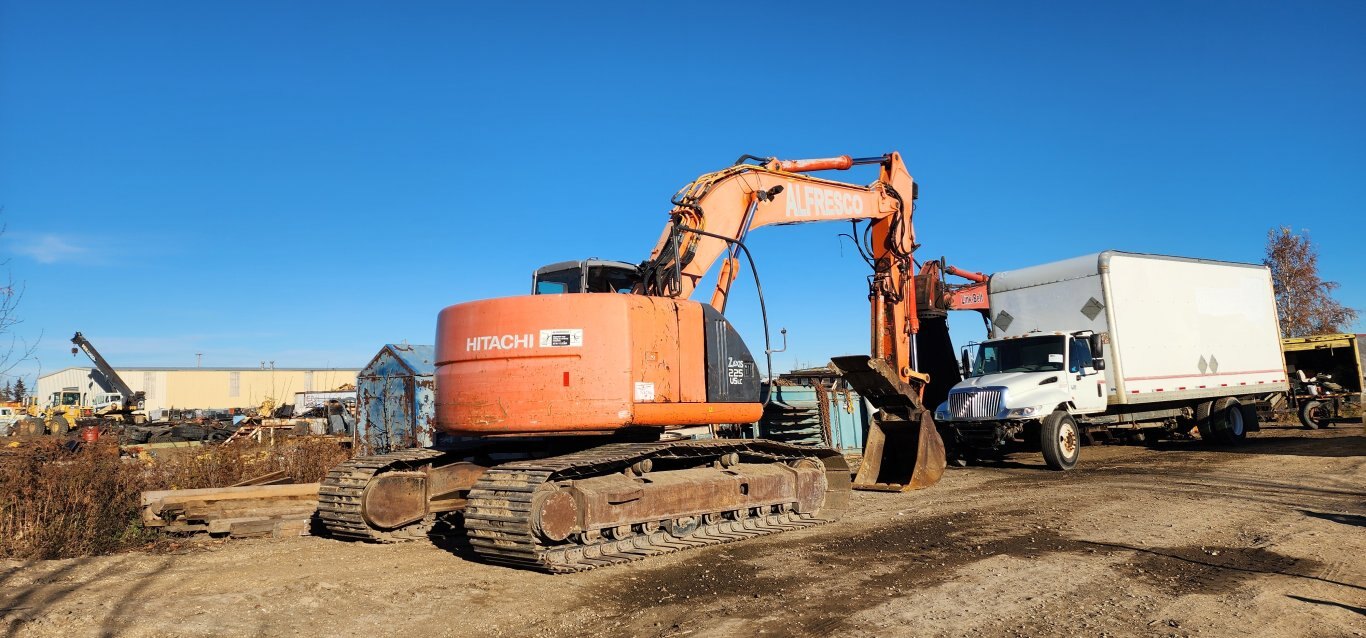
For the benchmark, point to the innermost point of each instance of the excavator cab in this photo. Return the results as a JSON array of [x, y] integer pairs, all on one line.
[[588, 275]]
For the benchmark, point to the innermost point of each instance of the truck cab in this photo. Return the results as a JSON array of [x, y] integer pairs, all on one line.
[[1016, 386], [106, 401], [69, 397], [10, 413]]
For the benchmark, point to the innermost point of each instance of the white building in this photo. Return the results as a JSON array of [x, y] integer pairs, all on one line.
[[198, 388]]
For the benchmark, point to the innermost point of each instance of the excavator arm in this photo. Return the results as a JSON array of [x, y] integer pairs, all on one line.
[[713, 215]]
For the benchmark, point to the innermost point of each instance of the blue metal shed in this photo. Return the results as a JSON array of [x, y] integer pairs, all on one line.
[[396, 392]]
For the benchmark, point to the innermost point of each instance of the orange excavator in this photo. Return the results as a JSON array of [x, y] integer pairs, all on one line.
[[560, 405]]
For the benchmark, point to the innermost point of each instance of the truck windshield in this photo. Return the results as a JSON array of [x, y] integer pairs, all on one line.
[[1030, 354]]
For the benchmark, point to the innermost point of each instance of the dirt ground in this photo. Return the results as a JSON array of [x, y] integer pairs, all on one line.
[[1265, 539]]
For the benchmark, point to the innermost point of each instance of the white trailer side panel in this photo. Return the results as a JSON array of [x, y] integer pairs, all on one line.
[[1188, 328], [1063, 296]]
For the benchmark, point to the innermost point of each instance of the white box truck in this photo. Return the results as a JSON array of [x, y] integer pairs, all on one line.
[[1116, 341]]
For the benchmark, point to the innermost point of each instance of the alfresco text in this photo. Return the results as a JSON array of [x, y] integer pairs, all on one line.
[[808, 201]]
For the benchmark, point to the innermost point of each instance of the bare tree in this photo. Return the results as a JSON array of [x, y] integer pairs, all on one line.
[[17, 350], [1304, 301]]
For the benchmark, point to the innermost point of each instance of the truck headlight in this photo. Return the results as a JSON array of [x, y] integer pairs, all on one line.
[[941, 413], [1033, 410]]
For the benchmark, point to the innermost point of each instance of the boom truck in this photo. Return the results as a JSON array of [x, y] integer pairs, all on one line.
[[559, 403], [125, 405], [1117, 342]]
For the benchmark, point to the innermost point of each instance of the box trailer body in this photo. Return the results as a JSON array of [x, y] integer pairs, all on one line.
[[1175, 336]]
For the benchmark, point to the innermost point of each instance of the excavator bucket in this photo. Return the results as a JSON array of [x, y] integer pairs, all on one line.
[[903, 450]]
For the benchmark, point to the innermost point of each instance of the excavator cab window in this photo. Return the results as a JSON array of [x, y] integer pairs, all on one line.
[[591, 275], [610, 278], [559, 281]]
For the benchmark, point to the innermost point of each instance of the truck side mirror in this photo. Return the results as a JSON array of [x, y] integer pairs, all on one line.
[[964, 363], [1097, 350]]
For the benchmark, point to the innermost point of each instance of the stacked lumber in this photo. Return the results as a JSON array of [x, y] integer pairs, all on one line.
[[241, 511]]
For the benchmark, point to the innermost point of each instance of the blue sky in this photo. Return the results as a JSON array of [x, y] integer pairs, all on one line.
[[304, 182]]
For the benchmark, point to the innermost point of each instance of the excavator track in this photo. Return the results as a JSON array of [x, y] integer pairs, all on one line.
[[498, 518], [340, 497]]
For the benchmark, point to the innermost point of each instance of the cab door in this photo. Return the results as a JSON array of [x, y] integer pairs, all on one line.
[[1087, 385]]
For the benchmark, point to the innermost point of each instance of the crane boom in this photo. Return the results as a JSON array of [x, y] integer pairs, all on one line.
[[131, 399]]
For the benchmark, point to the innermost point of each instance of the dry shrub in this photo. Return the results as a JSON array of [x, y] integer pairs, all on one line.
[[60, 502], [303, 461]]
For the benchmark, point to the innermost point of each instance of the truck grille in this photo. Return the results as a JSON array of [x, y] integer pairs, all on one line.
[[975, 404]]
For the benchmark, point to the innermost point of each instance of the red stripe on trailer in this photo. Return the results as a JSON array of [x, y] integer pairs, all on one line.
[[1181, 388], [1212, 374], [1202, 387]]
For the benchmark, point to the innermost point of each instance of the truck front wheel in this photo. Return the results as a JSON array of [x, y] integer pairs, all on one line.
[[1060, 439]]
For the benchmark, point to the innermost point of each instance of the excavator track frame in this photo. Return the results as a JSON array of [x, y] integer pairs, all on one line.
[[498, 519], [341, 497]]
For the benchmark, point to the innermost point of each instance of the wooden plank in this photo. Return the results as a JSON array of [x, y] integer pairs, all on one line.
[[250, 524], [185, 528], [262, 527], [250, 512], [292, 527], [264, 479], [167, 497], [165, 445]]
